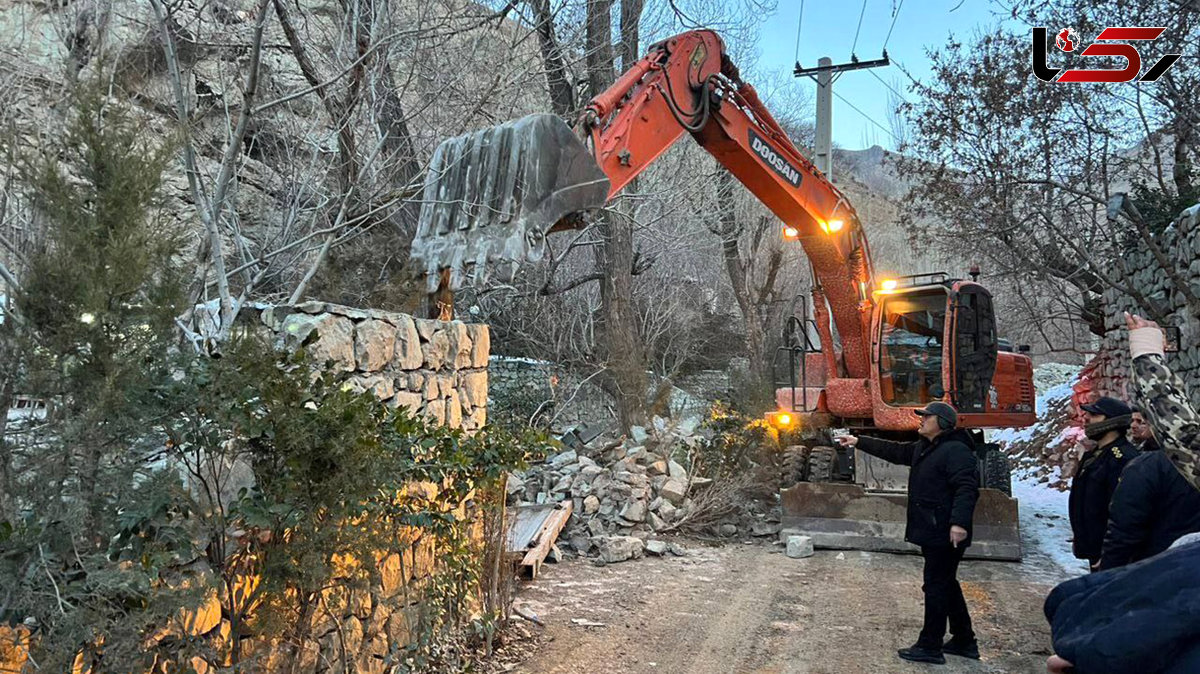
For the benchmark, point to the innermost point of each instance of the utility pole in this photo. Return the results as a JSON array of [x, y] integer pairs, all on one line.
[[824, 72], [824, 139]]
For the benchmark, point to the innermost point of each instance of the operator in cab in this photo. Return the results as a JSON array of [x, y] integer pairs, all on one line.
[[943, 486]]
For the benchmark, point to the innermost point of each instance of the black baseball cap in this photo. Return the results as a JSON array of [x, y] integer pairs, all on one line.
[[940, 410], [1109, 407]]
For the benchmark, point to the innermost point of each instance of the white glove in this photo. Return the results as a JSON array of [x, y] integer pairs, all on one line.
[[1146, 340]]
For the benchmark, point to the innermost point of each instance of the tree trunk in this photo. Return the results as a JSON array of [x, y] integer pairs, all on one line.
[[730, 231], [621, 342], [562, 96]]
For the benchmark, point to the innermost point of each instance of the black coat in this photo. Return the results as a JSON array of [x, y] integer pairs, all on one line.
[[943, 484], [1153, 506], [1138, 619], [1092, 491]]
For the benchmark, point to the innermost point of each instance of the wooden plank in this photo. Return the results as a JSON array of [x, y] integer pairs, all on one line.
[[546, 537], [525, 524]]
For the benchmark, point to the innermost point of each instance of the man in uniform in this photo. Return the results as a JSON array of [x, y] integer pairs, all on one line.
[[943, 486], [1100, 469]]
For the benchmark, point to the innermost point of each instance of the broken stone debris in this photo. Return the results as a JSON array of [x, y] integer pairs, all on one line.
[[622, 492]]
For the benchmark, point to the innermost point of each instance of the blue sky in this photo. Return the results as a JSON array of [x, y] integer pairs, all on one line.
[[828, 30]]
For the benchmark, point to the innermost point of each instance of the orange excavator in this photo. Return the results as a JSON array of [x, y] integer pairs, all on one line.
[[492, 196]]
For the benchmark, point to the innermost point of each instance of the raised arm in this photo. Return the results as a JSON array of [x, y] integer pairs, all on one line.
[[1161, 394]]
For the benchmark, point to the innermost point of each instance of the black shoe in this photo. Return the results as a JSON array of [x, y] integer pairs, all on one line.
[[963, 649], [918, 654]]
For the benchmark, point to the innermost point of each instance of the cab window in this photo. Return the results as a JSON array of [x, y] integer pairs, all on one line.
[[910, 348]]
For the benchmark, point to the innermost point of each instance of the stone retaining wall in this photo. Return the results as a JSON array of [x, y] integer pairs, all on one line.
[[1181, 244]]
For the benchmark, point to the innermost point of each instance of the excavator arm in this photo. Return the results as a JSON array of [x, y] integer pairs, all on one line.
[[492, 195], [687, 84]]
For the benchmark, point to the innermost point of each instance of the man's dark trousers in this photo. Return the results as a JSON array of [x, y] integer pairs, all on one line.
[[943, 598]]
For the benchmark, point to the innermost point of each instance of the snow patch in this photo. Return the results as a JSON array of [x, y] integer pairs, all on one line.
[[1045, 526]]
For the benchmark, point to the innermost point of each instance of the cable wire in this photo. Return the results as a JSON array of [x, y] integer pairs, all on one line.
[[799, 25], [857, 30], [890, 87], [866, 116], [895, 15]]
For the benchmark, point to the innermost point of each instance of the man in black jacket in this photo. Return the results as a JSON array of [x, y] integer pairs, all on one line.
[[1152, 507], [943, 486], [1099, 471]]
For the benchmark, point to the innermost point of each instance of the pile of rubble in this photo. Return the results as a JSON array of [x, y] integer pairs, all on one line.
[[625, 492]]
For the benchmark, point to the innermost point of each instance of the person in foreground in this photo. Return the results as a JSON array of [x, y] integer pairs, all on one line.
[[943, 486], [1141, 617]]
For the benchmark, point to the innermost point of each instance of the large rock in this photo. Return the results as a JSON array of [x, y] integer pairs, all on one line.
[[634, 511], [666, 511], [674, 491], [481, 344], [430, 387], [677, 471], [427, 327], [591, 504], [475, 388], [381, 386], [563, 459], [476, 419], [618, 548], [374, 344], [453, 410], [655, 522], [413, 401], [335, 338], [408, 355], [656, 548], [459, 356], [436, 351], [799, 546], [589, 473]]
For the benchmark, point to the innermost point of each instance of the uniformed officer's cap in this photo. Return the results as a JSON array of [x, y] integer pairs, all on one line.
[[1109, 407]]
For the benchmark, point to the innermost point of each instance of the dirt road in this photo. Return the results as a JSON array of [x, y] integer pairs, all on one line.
[[749, 608]]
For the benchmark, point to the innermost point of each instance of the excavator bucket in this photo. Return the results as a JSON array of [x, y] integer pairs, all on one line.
[[492, 195]]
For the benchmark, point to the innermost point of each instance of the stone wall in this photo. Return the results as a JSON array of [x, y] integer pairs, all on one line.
[[1181, 244], [435, 368]]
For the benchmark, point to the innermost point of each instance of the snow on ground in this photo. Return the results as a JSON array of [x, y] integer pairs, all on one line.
[[1045, 527]]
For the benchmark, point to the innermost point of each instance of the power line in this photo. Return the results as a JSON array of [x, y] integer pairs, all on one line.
[[865, 116], [895, 15], [861, 14], [890, 87], [799, 24]]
